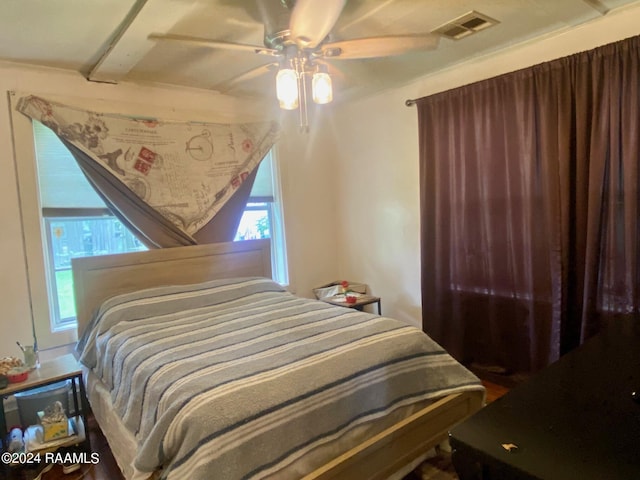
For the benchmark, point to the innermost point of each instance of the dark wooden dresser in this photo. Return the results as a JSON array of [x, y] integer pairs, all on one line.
[[576, 419]]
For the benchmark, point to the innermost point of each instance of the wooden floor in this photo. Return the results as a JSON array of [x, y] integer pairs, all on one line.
[[107, 469], [494, 391]]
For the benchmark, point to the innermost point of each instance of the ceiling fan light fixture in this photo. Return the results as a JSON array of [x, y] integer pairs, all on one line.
[[287, 88], [321, 88]]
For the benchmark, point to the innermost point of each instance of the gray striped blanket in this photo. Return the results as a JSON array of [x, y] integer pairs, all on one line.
[[239, 379]]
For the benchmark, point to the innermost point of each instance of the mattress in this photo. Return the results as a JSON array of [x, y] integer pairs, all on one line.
[[124, 446], [238, 378], [121, 441]]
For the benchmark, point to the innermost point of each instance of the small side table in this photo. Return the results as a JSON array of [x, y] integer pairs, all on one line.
[[359, 303], [62, 368]]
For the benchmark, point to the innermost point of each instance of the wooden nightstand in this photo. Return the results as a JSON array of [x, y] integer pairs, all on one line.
[[360, 302], [62, 368]]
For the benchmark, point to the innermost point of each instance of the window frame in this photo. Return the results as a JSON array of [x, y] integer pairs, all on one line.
[[48, 215], [279, 260], [34, 233], [51, 215]]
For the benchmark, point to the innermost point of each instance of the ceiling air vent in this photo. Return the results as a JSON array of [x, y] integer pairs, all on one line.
[[465, 25]]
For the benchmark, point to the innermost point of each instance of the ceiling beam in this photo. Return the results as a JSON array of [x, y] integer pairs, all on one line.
[[597, 5], [130, 42]]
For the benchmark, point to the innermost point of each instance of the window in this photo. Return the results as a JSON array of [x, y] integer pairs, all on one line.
[[75, 222], [79, 236], [262, 218]]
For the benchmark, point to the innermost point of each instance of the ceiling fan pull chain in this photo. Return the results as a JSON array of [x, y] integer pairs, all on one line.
[[302, 88]]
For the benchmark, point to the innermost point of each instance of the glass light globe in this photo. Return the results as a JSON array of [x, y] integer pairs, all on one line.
[[287, 88], [321, 88]]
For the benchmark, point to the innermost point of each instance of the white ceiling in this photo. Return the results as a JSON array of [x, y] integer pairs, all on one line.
[[107, 40]]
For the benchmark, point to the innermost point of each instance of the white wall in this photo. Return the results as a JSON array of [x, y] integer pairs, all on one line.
[[310, 203], [306, 183], [377, 143]]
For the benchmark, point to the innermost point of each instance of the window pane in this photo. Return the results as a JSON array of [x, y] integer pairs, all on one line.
[[64, 285], [255, 222], [81, 237]]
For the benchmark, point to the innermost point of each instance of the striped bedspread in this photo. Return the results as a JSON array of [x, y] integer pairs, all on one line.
[[238, 379]]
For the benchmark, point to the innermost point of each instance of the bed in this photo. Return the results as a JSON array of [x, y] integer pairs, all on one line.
[[197, 365]]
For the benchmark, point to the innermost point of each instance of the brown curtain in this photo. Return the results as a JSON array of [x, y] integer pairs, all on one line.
[[529, 201]]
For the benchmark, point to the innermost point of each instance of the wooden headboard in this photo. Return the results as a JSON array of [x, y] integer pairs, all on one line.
[[97, 278]]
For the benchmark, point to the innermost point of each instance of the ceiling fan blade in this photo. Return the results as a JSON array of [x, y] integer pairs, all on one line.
[[205, 42], [379, 46], [312, 20], [246, 76]]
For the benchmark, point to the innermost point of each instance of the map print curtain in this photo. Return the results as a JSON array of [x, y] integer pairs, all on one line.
[[173, 183]]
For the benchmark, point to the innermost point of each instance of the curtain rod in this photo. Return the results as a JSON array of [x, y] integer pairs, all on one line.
[[410, 102]]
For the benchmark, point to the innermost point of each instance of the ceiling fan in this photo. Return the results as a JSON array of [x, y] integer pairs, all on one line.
[[297, 35]]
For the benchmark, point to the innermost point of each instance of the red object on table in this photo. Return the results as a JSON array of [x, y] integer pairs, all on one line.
[[17, 377]]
